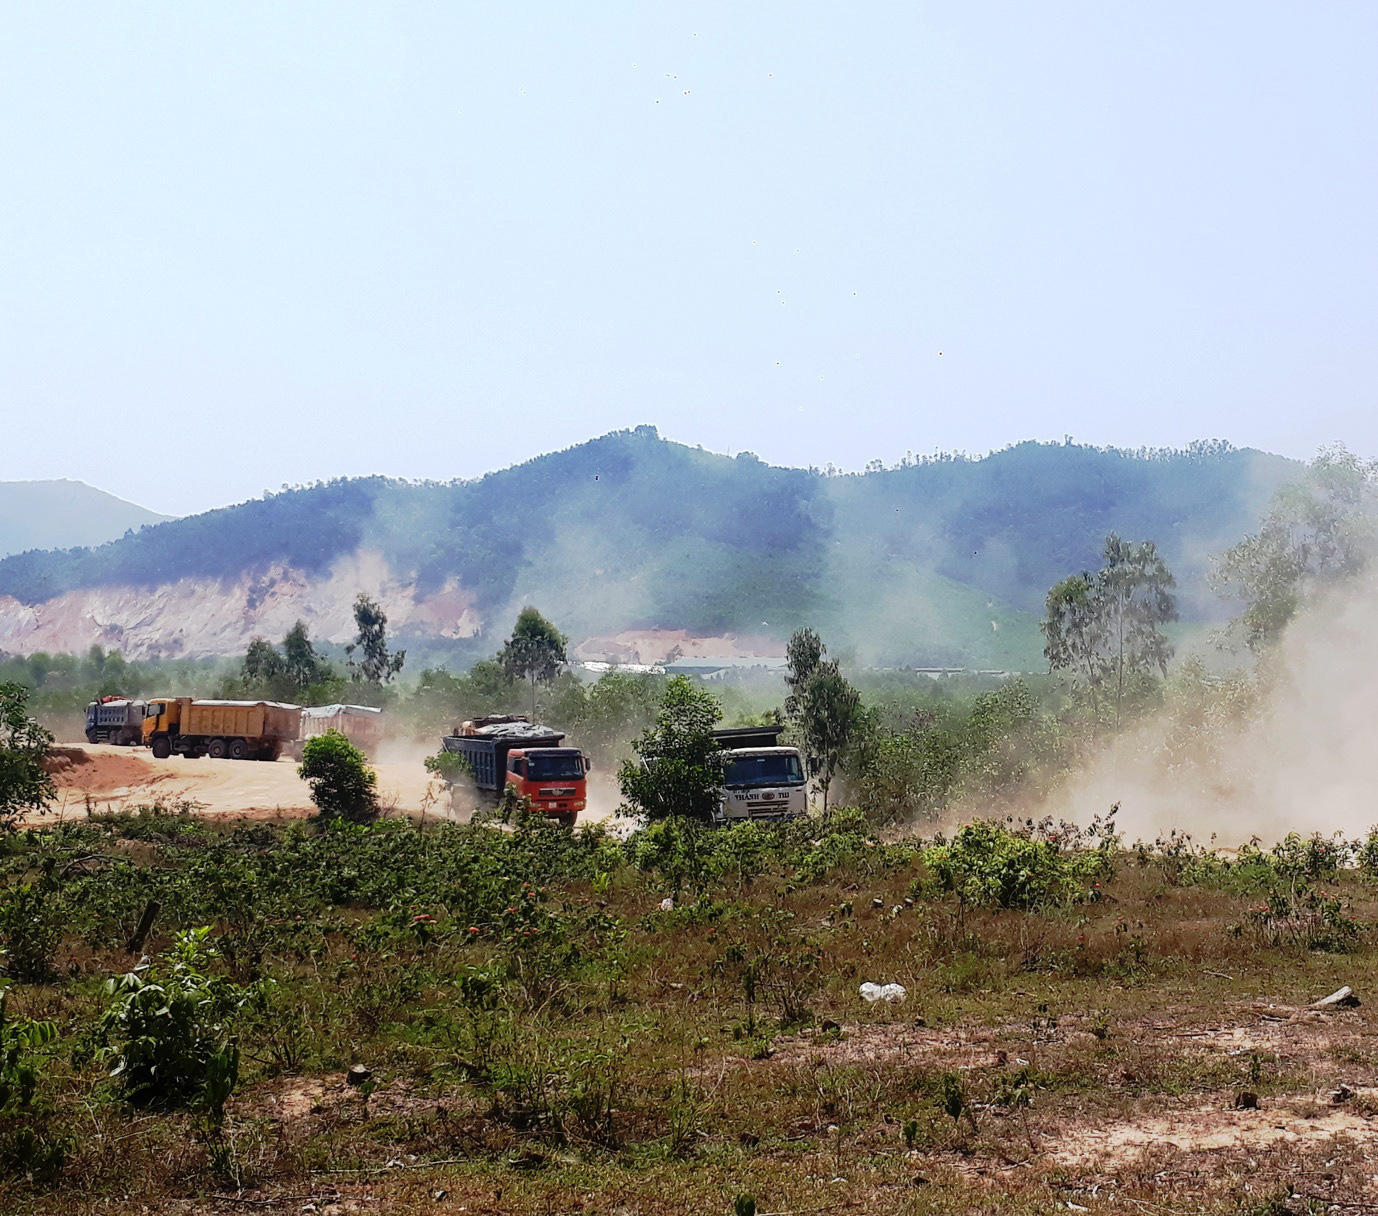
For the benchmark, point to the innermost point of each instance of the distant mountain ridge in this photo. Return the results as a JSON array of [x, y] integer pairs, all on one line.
[[940, 561], [63, 515]]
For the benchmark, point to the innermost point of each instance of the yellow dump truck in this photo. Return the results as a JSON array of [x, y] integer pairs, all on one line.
[[241, 730]]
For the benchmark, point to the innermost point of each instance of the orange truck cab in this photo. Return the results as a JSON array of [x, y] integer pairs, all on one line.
[[553, 778]]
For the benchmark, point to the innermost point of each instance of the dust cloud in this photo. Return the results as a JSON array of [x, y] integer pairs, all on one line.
[[1301, 758]]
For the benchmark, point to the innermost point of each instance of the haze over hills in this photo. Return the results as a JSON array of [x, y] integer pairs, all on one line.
[[64, 514], [634, 545]]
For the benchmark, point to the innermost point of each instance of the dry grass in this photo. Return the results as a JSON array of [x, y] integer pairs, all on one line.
[[1095, 1055]]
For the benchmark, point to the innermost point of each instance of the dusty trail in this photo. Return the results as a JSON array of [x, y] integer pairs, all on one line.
[[106, 778]]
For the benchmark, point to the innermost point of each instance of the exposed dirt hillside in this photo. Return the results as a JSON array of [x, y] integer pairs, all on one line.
[[193, 617]]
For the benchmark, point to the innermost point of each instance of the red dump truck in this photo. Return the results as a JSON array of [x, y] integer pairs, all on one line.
[[239, 730], [510, 750]]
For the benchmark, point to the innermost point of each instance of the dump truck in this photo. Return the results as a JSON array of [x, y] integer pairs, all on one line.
[[239, 730], [510, 750], [761, 779], [362, 725], [115, 720]]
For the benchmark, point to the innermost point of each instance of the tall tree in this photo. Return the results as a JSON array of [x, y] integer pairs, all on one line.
[[24, 746], [262, 667], [1074, 633], [1319, 531], [680, 771], [803, 653], [535, 652], [301, 664], [377, 665], [1105, 629], [1136, 597], [825, 708]]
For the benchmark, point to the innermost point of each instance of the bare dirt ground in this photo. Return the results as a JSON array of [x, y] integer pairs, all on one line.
[[102, 777], [109, 778]]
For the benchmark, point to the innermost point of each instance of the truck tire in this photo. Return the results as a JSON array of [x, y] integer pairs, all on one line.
[[216, 749], [162, 747], [91, 737], [238, 749]]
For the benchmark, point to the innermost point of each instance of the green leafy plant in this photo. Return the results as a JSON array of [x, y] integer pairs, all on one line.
[[29, 1142], [167, 1030], [1298, 915], [342, 784], [450, 767], [25, 784], [31, 918], [988, 865]]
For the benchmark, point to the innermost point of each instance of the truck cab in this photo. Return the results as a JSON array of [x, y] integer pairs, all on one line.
[[162, 716], [553, 778], [761, 779]]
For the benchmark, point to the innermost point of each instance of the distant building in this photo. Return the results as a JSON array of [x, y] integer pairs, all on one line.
[[728, 667]]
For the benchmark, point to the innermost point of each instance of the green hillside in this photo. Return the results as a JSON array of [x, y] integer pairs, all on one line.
[[61, 514], [943, 562]]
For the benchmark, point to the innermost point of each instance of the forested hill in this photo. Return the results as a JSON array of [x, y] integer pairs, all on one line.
[[59, 514], [926, 562]]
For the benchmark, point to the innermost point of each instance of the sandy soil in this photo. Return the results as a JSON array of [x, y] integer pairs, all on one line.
[[117, 778], [104, 777]]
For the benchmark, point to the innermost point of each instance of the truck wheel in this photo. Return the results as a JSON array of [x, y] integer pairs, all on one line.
[[90, 736], [239, 750], [216, 750], [162, 749]]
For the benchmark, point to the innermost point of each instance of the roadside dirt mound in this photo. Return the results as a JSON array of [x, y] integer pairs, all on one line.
[[77, 769], [64, 759]]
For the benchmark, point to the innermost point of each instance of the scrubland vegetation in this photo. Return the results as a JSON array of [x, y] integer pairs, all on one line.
[[535, 1030]]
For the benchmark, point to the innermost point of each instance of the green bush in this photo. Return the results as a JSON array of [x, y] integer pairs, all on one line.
[[31, 920], [342, 784], [167, 1030], [1299, 916], [450, 767], [988, 865], [29, 1144]]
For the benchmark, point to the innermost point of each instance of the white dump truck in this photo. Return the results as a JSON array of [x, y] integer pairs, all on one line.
[[761, 780], [362, 725]]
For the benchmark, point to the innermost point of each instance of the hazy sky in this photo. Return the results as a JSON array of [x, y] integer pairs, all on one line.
[[242, 245]]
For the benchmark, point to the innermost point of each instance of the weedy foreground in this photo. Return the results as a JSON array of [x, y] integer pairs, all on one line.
[[210, 1017]]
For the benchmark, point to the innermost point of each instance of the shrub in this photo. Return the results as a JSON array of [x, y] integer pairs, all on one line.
[[30, 928], [988, 865], [166, 1031], [450, 767], [342, 784], [1299, 916], [25, 784], [28, 1143]]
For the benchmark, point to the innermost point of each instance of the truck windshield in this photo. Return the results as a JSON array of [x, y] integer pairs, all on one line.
[[764, 770], [555, 767]]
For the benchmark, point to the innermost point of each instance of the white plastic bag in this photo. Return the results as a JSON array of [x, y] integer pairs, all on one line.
[[871, 993]]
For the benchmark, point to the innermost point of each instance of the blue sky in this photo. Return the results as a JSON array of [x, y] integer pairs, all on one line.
[[242, 245]]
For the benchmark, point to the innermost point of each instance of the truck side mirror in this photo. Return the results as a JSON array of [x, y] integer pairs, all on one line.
[[588, 765]]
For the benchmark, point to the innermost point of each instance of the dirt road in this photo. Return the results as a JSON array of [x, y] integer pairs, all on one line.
[[109, 778], [118, 778]]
